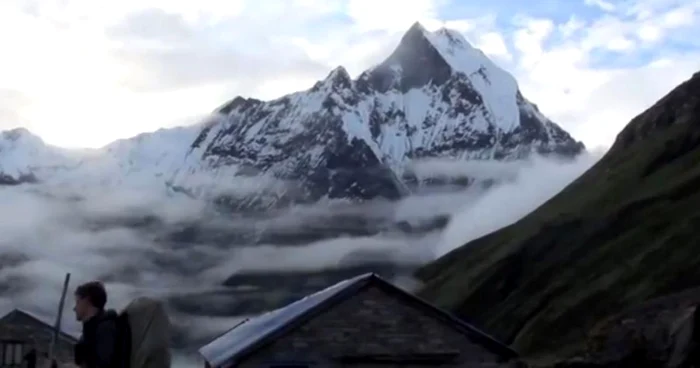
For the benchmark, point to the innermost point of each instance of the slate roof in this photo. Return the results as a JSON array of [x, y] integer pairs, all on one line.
[[252, 333], [22, 313]]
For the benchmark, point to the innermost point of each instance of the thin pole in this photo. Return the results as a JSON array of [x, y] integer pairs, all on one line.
[[57, 326]]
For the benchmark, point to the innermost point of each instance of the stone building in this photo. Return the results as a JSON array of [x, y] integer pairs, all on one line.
[[20, 332], [361, 322]]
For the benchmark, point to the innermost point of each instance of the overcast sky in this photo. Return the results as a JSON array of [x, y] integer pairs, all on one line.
[[81, 73]]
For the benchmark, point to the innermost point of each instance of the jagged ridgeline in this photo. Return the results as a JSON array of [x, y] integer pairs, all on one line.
[[435, 96]]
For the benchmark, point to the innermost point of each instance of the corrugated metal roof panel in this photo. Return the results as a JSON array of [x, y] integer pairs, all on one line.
[[248, 332]]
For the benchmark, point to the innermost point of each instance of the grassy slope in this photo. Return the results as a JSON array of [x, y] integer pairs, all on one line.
[[625, 231]]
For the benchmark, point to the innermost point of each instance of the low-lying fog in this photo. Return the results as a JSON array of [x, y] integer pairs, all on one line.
[[146, 242]]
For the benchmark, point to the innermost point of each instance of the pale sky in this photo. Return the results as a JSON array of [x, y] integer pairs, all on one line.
[[82, 73]]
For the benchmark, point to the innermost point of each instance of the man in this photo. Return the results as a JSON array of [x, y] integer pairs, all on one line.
[[30, 358], [96, 348]]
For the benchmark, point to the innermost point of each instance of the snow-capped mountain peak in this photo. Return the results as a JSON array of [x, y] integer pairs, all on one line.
[[434, 96], [339, 74], [24, 156], [424, 57], [452, 46], [20, 136]]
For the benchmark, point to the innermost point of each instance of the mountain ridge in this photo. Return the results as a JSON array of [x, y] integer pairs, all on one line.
[[418, 103], [435, 96], [621, 234]]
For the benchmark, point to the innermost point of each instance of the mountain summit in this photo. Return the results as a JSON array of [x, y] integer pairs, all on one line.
[[435, 96]]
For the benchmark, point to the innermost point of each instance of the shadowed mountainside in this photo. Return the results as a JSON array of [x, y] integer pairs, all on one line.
[[622, 233]]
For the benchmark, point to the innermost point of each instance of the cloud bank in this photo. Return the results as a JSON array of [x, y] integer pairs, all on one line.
[[138, 241], [534, 183], [137, 66]]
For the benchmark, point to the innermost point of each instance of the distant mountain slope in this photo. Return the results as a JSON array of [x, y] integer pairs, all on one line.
[[141, 160], [24, 158], [624, 232], [435, 96]]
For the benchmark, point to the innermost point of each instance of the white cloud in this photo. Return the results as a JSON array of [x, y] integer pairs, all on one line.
[[532, 184], [49, 235], [594, 76], [602, 4], [643, 86], [678, 18], [493, 44], [89, 72], [85, 86], [572, 26], [528, 39], [71, 12], [391, 15], [649, 33]]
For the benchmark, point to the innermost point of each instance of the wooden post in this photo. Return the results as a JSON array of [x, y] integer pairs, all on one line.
[[57, 326]]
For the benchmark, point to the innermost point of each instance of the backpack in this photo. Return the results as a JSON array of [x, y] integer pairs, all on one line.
[[143, 335]]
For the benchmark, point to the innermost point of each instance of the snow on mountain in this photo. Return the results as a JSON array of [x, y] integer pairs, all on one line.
[[144, 160], [140, 160], [24, 158], [443, 97], [435, 96]]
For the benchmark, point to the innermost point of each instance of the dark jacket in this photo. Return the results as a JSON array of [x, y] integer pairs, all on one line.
[[96, 347], [30, 358]]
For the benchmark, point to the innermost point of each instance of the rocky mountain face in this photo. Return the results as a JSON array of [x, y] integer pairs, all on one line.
[[579, 276], [435, 96]]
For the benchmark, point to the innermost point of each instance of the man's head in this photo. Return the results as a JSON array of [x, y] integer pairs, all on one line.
[[90, 299]]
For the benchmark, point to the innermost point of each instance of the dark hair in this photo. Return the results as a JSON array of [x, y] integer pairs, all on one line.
[[95, 292]]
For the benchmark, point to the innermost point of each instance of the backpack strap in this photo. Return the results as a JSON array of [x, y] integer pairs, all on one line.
[[123, 341]]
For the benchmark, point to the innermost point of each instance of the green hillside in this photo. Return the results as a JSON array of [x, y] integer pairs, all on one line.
[[625, 231]]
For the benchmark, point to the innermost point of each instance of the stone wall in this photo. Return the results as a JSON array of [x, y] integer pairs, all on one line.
[[371, 323]]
